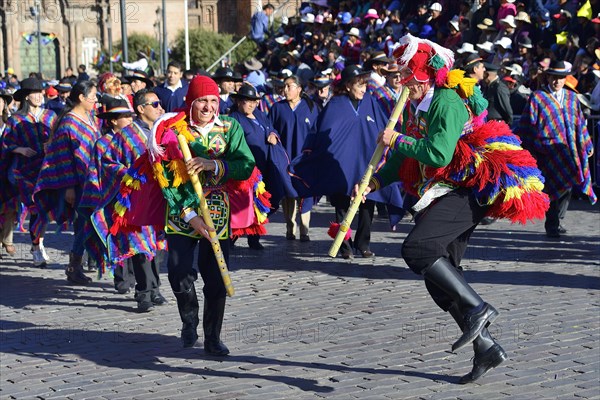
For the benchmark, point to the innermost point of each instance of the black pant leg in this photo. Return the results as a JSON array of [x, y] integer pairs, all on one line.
[[180, 266], [214, 288], [32, 219], [156, 264], [118, 278], [341, 203], [556, 212], [144, 276], [362, 237], [366, 210], [124, 277], [458, 247], [449, 218], [442, 230]]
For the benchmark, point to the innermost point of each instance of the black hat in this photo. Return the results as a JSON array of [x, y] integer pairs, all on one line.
[[472, 59], [246, 91], [320, 81], [139, 76], [558, 68], [7, 97], [115, 107], [525, 41], [378, 57], [275, 82], [491, 67], [352, 71], [225, 73], [28, 85], [278, 78], [64, 86]]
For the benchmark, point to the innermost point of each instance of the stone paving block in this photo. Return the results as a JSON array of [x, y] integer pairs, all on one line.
[[593, 393]]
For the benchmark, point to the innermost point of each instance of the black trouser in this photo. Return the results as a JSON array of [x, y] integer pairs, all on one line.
[[32, 219], [362, 237], [138, 271], [556, 212], [182, 273], [146, 273], [124, 276], [442, 230]]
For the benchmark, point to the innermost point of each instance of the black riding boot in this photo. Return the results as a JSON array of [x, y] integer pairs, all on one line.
[[477, 313], [254, 242], [212, 321], [187, 303], [488, 353]]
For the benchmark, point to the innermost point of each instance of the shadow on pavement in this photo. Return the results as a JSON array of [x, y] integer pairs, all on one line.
[[42, 291], [115, 349]]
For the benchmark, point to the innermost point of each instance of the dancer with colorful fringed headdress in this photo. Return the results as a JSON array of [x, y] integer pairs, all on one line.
[[462, 170]]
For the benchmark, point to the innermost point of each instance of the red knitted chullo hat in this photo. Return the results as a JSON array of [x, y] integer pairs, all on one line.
[[200, 86], [422, 59], [418, 65]]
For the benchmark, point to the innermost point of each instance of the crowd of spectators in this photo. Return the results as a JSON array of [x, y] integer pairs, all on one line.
[[519, 39]]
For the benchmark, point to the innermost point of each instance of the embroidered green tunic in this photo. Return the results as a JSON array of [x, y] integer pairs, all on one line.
[[440, 127], [227, 146]]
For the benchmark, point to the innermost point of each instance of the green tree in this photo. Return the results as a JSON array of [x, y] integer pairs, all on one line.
[[206, 47], [136, 42]]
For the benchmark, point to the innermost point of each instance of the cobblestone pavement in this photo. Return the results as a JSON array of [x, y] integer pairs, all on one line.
[[305, 326]]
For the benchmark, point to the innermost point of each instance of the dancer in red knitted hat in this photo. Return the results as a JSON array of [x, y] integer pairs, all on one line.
[[220, 155], [460, 170]]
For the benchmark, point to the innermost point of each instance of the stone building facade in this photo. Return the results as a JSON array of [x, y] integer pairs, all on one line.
[[73, 31]]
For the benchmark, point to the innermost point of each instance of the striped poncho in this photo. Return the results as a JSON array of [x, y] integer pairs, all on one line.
[[65, 166], [559, 139], [113, 154], [266, 103], [386, 98], [32, 132]]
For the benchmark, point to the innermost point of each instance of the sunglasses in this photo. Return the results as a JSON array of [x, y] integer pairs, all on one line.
[[154, 104]]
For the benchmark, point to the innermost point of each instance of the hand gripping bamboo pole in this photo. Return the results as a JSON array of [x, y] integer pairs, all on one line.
[[364, 182], [214, 240]]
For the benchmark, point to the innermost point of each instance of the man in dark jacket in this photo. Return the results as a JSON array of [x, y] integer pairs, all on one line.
[[497, 94], [519, 94]]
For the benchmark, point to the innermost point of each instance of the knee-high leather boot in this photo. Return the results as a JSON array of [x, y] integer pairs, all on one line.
[[488, 353], [212, 321], [187, 303], [477, 313]]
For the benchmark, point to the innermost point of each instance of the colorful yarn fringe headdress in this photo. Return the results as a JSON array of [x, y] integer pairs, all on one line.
[[425, 60], [488, 157]]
